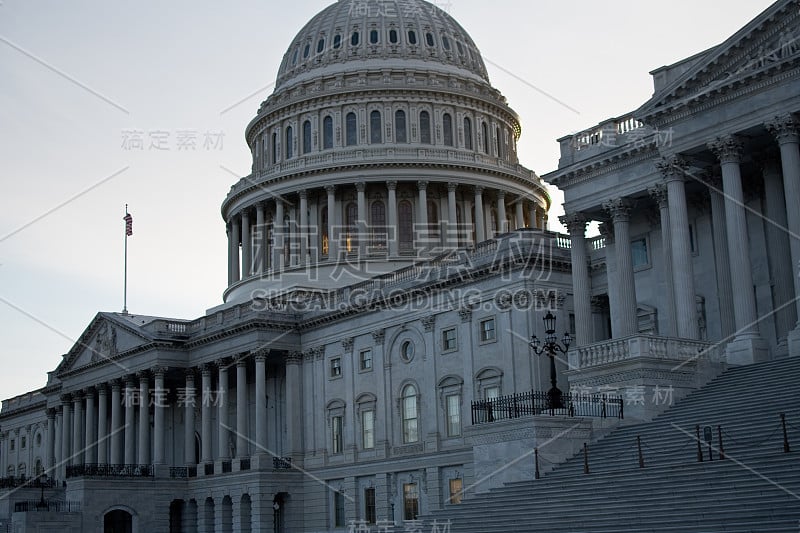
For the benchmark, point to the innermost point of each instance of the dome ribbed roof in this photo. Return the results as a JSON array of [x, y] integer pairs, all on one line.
[[358, 34]]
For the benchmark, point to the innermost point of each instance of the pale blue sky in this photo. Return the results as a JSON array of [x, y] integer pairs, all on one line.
[[74, 75]]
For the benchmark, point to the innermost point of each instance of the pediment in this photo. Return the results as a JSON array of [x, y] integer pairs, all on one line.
[[768, 43]]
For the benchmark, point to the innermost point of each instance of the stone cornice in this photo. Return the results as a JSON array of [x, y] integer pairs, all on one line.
[[607, 162]]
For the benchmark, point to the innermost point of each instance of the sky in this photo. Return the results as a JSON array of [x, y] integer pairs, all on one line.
[[80, 81]]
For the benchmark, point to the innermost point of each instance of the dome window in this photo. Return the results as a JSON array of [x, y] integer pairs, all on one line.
[[429, 39], [393, 36], [351, 137], [373, 37], [460, 48], [447, 127], [337, 41], [320, 45], [306, 50], [424, 127], [412, 37], [445, 42], [289, 139], [354, 39], [294, 56], [400, 126], [375, 135], [327, 133]]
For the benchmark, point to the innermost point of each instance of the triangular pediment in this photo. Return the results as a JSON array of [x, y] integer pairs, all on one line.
[[770, 42], [106, 337]]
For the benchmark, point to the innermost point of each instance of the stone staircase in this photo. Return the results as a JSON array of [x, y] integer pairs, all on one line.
[[756, 488]]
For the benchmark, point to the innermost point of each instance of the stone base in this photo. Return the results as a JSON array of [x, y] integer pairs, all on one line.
[[747, 349], [793, 339]]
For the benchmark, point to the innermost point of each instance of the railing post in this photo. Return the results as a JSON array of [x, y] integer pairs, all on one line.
[[786, 448], [699, 445], [585, 458], [536, 460], [721, 447], [639, 446], [603, 406]]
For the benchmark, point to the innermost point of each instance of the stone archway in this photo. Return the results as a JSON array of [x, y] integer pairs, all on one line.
[[118, 521]]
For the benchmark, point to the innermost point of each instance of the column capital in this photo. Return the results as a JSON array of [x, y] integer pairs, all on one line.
[[65, 398], [241, 362], [501, 194], [378, 336], [89, 393], [51, 415], [422, 185], [360, 186], [116, 384], [102, 389], [451, 187], [672, 168], [391, 185], [575, 222], [330, 189], [607, 231], [478, 189], [784, 128], [245, 212], [727, 148], [658, 192], [77, 396], [205, 370], [189, 375], [293, 358], [130, 381], [261, 353], [223, 363], [303, 194], [143, 375], [159, 371], [619, 209]]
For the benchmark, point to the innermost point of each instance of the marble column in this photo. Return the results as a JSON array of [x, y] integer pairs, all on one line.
[[116, 422], [421, 235], [144, 418], [188, 419], [260, 240], [581, 289], [533, 215], [673, 170], [502, 222], [235, 229], [294, 404], [659, 194], [480, 226], [159, 408], [130, 420], [51, 442], [278, 228], [247, 245], [620, 209], [393, 236], [91, 428], [77, 428], [612, 285], [721, 257], [303, 233], [241, 409], [228, 234], [102, 424], [452, 218], [223, 435], [330, 190], [261, 402], [520, 213], [747, 346], [361, 223], [205, 416], [786, 132]]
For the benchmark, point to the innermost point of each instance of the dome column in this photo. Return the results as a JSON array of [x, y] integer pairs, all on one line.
[[303, 233], [520, 214], [234, 266], [502, 224], [480, 229], [393, 236], [247, 251], [452, 218], [277, 236], [331, 193], [261, 239]]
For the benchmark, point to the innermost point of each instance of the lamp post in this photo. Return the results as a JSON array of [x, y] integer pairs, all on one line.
[[549, 348]]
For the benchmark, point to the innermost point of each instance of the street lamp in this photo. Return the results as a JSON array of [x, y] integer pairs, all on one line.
[[549, 348]]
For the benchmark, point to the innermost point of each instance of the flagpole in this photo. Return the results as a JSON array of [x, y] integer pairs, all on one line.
[[125, 279]]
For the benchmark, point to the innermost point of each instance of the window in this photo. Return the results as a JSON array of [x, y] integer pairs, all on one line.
[[400, 126], [639, 253], [350, 221], [373, 37], [336, 367], [445, 42], [327, 133], [424, 127], [378, 221], [447, 129], [365, 360], [487, 330], [307, 137], [306, 50], [23, 441], [410, 501], [337, 444], [498, 142], [491, 392], [460, 49], [449, 340], [351, 133], [409, 403], [294, 56], [274, 147], [407, 351], [370, 514], [453, 414], [375, 136], [412, 37], [289, 153], [456, 487], [38, 439], [485, 132], [338, 509], [11, 445], [467, 133], [429, 39], [368, 429], [337, 41], [320, 45], [405, 230], [393, 36], [354, 39]]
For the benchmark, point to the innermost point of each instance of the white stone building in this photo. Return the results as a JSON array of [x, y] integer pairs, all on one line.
[[389, 262]]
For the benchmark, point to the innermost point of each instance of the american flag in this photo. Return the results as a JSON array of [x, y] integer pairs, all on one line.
[[128, 224]]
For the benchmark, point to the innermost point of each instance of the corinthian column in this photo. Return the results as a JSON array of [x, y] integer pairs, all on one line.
[[260, 240], [205, 422], [278, 227], [116, 422], [241, 408], [393, 236], [77, 428], [452, 219], [303, 233], [102, 424], [332, 245], [130, 421], [261, 402], [188, 419], [223, 450], [502, 223], [235, 228], [247, 243], [620, 209], [480, 226], [91, 431], [361, 223], [144, 418], [159, 406], [576, 225], [659, 194], [421, 236]]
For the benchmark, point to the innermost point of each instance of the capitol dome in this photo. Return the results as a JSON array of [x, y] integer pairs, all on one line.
[[383, 143]]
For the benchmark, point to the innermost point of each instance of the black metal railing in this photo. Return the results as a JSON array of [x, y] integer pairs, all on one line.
[[281, 463], [226, 467], [191, 471], [244, 464], [22, 481], [105, 470], [47, 505], [208, 469], [539, 403]]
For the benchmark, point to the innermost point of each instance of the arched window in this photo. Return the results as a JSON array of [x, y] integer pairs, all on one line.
[[405, 230], [412, 37], [350, 221], [393, 36], [320, 45], [429, 39], [498, 142], [445, 42], [351, 130], [378, 224], [375, 136], [400, 126], [410, 429], [274, 147], [485, 132], [467, 133], [373, 37], [306, 50], [289, 153], [307, 137], [324, 243], [424, 127], [354, 39], [327, 133], [447, 129], [337, 41]]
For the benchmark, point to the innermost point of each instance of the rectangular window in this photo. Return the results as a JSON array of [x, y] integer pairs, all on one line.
[[370, 514], [410, 501], [336, 435], [491, 393], [368, 429], [336, 367], [338, 509], [453, 404], [22, 442], [487, 330], [449, 340], [365, 360], [639, 253], [11, 445], [456, 486]]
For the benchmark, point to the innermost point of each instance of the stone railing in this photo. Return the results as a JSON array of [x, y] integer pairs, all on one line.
[[605, 136], [640, 346]]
